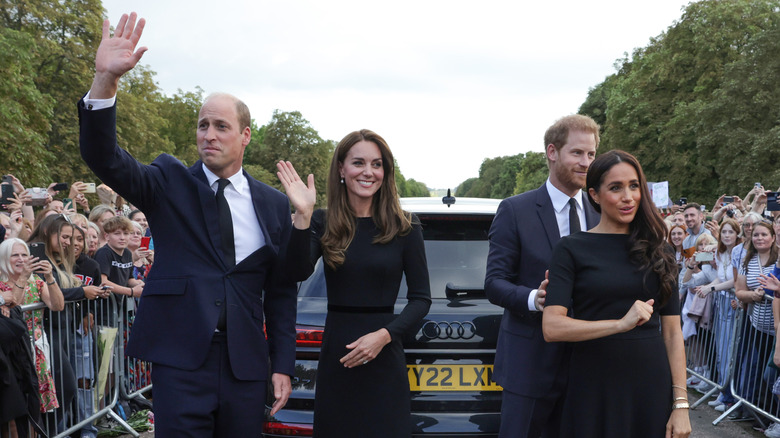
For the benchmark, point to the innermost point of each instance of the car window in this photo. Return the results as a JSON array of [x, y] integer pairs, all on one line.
[[456, 247]]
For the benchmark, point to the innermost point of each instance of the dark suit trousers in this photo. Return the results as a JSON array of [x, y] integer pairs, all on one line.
[[526, 417], [209, 401]]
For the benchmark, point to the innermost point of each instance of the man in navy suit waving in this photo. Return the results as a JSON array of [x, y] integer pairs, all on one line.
[[217, 317], [532, 372]]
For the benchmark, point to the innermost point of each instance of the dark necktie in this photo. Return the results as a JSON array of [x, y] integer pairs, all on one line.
[[574, 218], [228, 244], [225, 223]]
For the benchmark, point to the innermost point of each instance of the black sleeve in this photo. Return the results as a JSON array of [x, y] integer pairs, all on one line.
[[11, 330], [418, 284], [317, 231], [562, 276], [103, 260]]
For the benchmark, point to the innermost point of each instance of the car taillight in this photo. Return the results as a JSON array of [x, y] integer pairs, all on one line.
[[308, 336], [288, 429]]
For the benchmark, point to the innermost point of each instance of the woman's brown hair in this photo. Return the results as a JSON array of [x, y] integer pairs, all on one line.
[[648, 247], [735, 227], [750, 250], [386, 209]]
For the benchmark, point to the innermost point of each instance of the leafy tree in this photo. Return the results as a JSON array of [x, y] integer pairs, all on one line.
[[416, 189], [742, 121], [655, 99], [507, 177], [533, 172], [179, 114], [24, 111], [140, 123], [465, 187], [288, 136], [63, 39]]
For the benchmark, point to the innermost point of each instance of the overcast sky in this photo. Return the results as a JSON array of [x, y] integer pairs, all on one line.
[[446, 83]]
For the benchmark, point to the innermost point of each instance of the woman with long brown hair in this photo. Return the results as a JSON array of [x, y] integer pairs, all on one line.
[[724, 311], [760, 257], [367, 243], [617, 279]]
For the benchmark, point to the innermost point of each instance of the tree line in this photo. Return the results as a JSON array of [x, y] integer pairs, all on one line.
[[47, 58], [698, 106]]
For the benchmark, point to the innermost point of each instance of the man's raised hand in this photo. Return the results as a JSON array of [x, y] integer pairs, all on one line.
[[116, 55]]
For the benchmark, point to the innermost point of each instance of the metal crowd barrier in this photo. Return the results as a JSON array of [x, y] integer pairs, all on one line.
[[84, 349], [734, 357]]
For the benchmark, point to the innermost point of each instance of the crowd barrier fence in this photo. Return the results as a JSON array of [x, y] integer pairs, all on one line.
[[83, 347], [733, 356]]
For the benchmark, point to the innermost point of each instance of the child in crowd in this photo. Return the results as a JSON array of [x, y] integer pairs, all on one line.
[[116, 263]]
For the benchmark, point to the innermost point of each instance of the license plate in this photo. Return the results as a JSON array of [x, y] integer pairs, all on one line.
[[451, 378]]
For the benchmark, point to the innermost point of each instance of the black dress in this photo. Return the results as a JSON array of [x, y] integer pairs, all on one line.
[[619, 385], [372, 399]]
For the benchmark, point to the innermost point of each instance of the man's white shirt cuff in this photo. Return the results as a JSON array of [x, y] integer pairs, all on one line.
[[98, 104], [532, 300]]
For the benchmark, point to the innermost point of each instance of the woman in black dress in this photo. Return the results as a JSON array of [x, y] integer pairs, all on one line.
[[619, 280], [367, 243]]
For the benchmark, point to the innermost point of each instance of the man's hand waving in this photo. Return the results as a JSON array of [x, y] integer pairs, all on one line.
[[116, 55]]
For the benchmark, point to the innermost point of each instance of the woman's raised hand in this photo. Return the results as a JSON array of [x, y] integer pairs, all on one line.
[[302, 196]]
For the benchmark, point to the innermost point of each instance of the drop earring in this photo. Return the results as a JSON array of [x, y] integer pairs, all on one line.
[[342, 180]]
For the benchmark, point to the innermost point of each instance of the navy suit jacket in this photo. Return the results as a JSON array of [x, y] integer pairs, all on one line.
[[190, 279], [522, 238]]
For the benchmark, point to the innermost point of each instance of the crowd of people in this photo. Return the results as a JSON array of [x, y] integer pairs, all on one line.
[[63, 252], [728, 260]]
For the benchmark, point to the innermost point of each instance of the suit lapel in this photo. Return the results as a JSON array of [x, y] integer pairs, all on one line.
[[261, 208], [546, 215], [208, 205]]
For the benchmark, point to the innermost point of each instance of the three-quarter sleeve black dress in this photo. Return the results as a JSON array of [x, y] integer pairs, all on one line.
[[371, 399], [620, 385]]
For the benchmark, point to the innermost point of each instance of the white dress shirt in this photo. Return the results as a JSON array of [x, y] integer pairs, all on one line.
[[247, 234]]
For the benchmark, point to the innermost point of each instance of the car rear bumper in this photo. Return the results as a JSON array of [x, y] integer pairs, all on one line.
[[428, 424]]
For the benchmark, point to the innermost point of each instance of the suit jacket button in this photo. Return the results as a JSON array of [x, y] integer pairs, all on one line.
[[218, 302]]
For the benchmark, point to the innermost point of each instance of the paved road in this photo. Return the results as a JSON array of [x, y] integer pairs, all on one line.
[[703, 416], [701, 421]]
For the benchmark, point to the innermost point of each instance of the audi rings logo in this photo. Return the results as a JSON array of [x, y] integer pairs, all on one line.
[[449, 330]]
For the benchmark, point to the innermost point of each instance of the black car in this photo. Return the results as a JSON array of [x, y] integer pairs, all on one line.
[[450, 358]]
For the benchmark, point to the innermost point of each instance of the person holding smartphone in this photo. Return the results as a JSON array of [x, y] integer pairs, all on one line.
[[143, 257], [697, 310], [31, 280]]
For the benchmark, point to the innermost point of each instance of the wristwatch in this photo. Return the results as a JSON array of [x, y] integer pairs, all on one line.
[[712, 288]]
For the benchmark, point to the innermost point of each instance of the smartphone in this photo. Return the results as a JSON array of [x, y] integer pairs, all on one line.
[[728, 199], [60, 187], [758, 184], [704, 257], [66, 201], [8, 179], [90, 188], [7, 194], [772, 202], [38, 249], [105, 287], [682, 201], [145, 242]]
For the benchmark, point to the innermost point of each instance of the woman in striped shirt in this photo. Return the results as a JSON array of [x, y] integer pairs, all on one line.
[[758, 336]]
